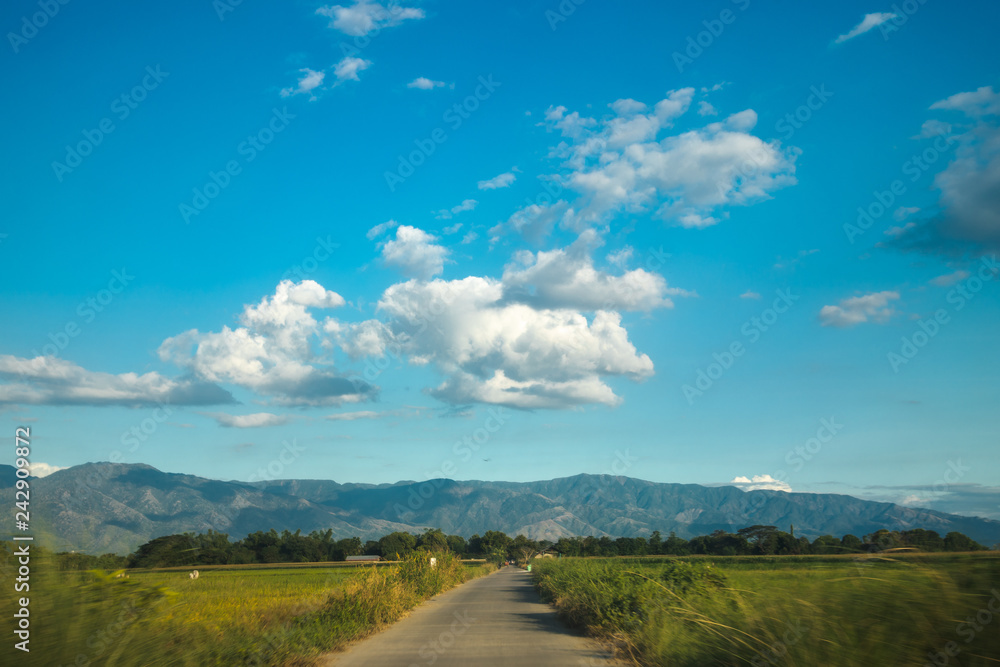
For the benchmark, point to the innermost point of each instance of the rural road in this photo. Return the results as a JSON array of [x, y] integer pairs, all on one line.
[[494, 620]]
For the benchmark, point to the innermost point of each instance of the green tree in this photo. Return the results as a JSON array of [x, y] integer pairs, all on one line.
[[433, 540], [456, 543], [396, 544], [851, 543], [958, 542], [656, 543]]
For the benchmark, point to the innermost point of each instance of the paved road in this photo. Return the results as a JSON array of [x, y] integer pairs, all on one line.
[[491, 621]]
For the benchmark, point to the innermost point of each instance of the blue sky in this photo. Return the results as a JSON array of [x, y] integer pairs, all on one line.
[[374, 242]]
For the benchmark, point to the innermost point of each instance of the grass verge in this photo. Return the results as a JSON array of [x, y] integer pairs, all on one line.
[[277, 616], [765, 611]]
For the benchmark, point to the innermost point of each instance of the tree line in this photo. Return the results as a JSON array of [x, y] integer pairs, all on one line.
[[762, 540], [215, 548]]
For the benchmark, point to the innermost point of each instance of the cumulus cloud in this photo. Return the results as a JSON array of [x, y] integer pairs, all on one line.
[[348, 68], [423, 83], [493, 350], [934, 128], [448, 213], [53, 381], [469, 237], [749, 294], [758, 482], [983, 101], [414, 253], [617, 164], [968, 216], [903, 212], [867, 23], [503, 180], [309, 80], [256, 420], [705, 108], [39, 469], [872, 307], [272, 352], [363, 17], [566, 278]]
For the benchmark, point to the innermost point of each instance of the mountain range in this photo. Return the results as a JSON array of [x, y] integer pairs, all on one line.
[[115, 507]]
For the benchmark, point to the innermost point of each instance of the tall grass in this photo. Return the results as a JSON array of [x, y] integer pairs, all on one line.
[[280, 616], [735, 611]]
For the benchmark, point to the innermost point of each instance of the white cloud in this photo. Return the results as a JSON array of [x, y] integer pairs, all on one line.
[[934, 128], [492, 350], [363, 17], [39, 469], [571, 125], [448, 213], [351, 416], [256, 420], [535, 221], [414, 253], [867, 23], [621, 257], [903, 212], [452, 229], [423, 83], [896, 232], [380, 229], [469, 238], [272, 353], [348, 68], [758, 482], [53, 381], [949, 279], [750, 295], [309, 80], [502, 181], [627, 106], [983, 101], [855, 310], [706, 109], [566, 278], [617, 164]]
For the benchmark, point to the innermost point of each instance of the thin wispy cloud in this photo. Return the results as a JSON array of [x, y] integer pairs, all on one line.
[[423, 83], [256, 420], [309, 81], [874, 307], [869, 22], [503, 180]]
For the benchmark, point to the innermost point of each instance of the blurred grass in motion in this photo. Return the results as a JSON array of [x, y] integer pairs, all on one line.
[[887, 609], [274, 616]]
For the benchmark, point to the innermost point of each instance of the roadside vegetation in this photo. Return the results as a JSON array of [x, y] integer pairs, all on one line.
[[253, 616], [752, 608], [877, 609]]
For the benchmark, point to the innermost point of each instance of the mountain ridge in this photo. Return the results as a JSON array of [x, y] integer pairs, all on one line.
[[114, 507]]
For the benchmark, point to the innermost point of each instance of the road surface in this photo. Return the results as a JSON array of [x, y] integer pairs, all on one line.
[[494, 620]]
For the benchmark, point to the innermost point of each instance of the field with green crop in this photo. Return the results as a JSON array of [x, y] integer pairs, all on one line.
[[255, 615], [887, 609]]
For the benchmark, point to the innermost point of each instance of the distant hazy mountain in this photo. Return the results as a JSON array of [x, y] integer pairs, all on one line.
[[115, 507]]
